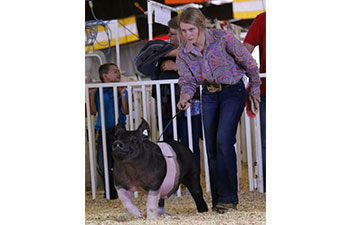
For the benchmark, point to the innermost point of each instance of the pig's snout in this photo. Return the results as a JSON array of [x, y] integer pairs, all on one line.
[[117, 145]]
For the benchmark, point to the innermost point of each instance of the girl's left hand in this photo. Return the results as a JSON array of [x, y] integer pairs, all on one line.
[[256, 100]]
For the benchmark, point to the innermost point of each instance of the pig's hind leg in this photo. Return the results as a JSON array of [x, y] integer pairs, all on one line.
[[161, 209], [125, 197], [152, 204], [192, 182]]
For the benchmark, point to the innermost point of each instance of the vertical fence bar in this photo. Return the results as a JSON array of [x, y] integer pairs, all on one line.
[[116, 104], [173, 110], [136, 107], [159, 110], [205, 156], [150, 19], [117, 54], [249, 144], [249, 153], [243, 139], [104, 144], [260, 180], [91, 142], [131, 116], [153, 119], [144, 105], [189, 128], [149, 105]]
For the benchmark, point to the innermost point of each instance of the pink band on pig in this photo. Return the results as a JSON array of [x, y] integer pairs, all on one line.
[[172, 174]]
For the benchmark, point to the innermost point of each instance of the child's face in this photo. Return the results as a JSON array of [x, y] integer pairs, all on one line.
[[113, 74]]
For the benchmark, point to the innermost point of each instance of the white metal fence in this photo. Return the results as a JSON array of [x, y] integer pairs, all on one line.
[[141, 104]]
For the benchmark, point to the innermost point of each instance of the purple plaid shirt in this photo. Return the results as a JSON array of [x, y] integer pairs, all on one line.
[[225, 60]]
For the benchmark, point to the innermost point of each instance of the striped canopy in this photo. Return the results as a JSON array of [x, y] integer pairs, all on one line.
[[248, 9]]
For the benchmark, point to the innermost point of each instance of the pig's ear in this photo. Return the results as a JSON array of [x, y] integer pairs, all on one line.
[[144, 130], [119, 129]]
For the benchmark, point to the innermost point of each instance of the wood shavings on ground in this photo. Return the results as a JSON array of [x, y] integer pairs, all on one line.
[[180, 210]]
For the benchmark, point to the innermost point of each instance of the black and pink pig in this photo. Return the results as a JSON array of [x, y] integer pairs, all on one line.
[[155, 168]]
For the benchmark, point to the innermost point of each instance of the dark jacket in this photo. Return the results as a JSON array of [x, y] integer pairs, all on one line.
[[148, 62], [165, 89], [150, 54]]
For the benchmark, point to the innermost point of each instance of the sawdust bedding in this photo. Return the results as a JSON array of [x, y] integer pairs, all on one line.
[[179, 210]]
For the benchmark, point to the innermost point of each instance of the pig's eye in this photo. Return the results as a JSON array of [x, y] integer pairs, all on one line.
[[133, 139]]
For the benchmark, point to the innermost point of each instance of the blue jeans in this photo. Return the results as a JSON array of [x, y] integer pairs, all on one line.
[[183, 133], [221, 113], [263, 135]]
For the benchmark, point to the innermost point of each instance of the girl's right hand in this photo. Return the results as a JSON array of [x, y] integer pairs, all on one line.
[[183, 103]]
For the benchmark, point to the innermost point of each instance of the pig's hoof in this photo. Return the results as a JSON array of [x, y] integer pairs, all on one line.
[[152, 217], [136, 215], [152, 214], [161, 211], [127, 217], [203, 209]]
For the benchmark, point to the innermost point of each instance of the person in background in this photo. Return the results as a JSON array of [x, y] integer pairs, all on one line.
[[217, 60], [257, 37], [108, 72]]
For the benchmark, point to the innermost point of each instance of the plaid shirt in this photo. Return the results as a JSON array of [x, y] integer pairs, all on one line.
[[225, 60]]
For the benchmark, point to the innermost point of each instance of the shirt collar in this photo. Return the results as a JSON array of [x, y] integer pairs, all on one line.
[[209, 36], [188, 47]]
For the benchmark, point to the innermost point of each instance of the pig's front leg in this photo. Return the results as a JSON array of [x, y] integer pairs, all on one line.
[[126, 197], [152, 204]]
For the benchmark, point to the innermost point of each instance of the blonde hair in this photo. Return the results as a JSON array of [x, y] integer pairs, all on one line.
[[195, 17]]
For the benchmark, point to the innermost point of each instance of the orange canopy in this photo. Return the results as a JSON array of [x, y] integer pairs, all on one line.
[[173, 2]]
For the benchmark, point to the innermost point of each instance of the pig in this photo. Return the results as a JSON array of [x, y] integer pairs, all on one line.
[[154, 168]]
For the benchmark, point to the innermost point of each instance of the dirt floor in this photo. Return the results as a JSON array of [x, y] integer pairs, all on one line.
[[180, 210]]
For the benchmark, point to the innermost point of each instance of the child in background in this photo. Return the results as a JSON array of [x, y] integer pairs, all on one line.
[[108, 72]]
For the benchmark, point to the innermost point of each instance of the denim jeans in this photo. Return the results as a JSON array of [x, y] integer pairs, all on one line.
[[221, 113], [263, 135], [109, 141]]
